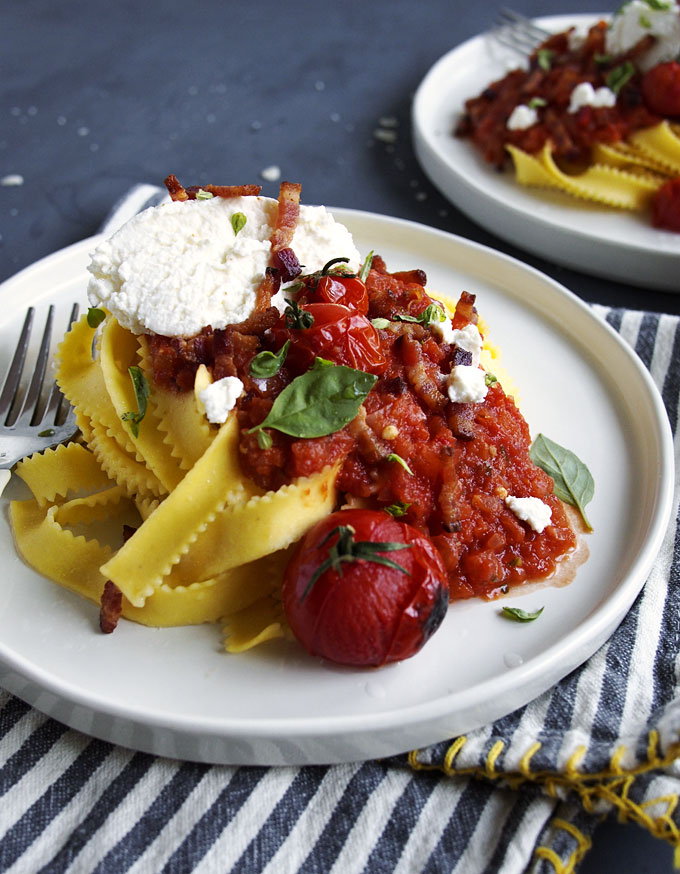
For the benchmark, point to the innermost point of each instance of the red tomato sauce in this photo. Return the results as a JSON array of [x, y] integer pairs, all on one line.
[[456, 461]]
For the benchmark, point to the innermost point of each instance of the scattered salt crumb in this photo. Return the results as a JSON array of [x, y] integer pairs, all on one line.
[[32, 110], [335, 116], [83, 131], [271, 174], [94, 147], [14, 212], [12, 179], [61, 120], [319, 85], [211, 118], [421, 195], [16, 110], [255, 125], [388, 121], [192, 89], [385, 135], [413, 183]]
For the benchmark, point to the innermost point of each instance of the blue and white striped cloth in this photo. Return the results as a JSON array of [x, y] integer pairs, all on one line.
[[521, 795]]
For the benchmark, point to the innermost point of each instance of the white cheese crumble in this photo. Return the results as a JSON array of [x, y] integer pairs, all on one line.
[[220, 397], [444, 330], [12, 179], [638, 19], [466, 385], [179, 267], [470, 339], [522, 117], [533, 511], [585, 95]]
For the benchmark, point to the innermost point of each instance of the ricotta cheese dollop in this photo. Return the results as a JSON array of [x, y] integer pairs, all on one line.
[[220, 397], [179, 267], [535, 512], [585, 95], [638, 19], [522, 117]]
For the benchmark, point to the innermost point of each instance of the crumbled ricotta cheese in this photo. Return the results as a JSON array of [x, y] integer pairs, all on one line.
[[466, 385], [470, 339], [585, 95], [533, 511], [220, 397], [638, 19], [444, 330], [176, 268], [522, 117]]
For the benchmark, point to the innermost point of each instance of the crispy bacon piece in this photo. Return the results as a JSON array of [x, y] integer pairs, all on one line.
[[418, 276], [287, 217], [111, 607], [267, 288], [178, 192], [286, 262]]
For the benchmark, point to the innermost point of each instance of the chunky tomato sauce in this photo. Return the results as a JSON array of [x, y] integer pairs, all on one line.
[[554, 71], [446, 466]]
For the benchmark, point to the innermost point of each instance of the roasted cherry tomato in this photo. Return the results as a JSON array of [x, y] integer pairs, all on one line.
[[365, 589], [661, 89], [347, 290], [666, 206], [338, 334]]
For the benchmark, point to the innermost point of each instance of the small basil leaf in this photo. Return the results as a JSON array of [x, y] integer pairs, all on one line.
[[544, 58], [537, 102], [141, 388], [518, 615], [48, 432], [380, 323], [573, 481], [266, 364], [399, 508], [618, 77], [319, 402], [95, 317], [366, 267], [490, 379], [202, 194], [431, 314], [399, 460], [238, 222]]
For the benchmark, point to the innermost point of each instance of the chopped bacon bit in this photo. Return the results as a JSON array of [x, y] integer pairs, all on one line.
[[175, 189], [111, 607], [466, 314], [418, 276], [288, 214], [267, 288], [230, 190], [286, 261]]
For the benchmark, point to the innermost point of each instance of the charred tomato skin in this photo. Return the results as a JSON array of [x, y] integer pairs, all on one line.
[[661, 89], [366, 614]]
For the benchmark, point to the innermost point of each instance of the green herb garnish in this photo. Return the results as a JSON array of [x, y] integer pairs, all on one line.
[[297, 318], [573, 481], [264, 440], [319, 402], [238, 222], [490, 379], [644, 21], [431, 314], [202, 194], [327, 270], [602, 59], [48, 432], [347, 549], [537, 102], [266, 364], [399, 460], [95, 317], [518, 615], [399, 508], [366, 267], [380, 323], [544, 58], [141, 387], [618, 77], [658, 5]]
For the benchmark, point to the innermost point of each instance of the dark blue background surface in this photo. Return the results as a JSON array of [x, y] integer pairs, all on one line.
[[95, 97]]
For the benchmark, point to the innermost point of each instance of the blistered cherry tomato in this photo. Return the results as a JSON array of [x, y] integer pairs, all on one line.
[[339, 334], [347, 290], [344, 604], [666, 206], [661, 89]]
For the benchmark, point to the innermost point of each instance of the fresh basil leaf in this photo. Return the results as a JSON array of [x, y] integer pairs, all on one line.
[[490, 379], [644, 21], [264, 440], [618, 77], [537, 102], [238, 222], [141, 387], [266, 364], [399, 508], [380, 323], [95, 317], [659, 5], [366, 267], [201, 194], [399, 460], [544, 58], [319, 402], [431, 314], [601, 59], [573, 481], [518, 615]]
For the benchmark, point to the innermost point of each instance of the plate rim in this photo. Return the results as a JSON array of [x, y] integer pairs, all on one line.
[[612, 610]]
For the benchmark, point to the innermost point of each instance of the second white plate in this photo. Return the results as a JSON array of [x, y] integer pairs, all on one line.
[[605, 242]]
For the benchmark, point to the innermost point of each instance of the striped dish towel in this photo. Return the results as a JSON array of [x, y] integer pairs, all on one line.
[[521, 795]]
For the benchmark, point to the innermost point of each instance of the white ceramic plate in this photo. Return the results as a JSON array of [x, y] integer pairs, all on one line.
[[597, 240], [173, 692]]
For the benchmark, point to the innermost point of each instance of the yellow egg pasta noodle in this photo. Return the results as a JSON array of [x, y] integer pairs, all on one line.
[[53, 474], [97, 507], [184, 429], [119, 351], [529, 170], [133, 475], [55, 552], [262, 621], [661, 143], [243, 531], [139, 567], [626, 157]]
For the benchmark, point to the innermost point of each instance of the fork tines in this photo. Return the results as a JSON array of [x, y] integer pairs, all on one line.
[[518, 32]]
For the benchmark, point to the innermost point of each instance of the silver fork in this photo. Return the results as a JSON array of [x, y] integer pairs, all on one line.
[[29, 423], [518, 32]]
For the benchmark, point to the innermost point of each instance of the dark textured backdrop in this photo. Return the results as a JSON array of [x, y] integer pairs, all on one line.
[[97, 96]]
